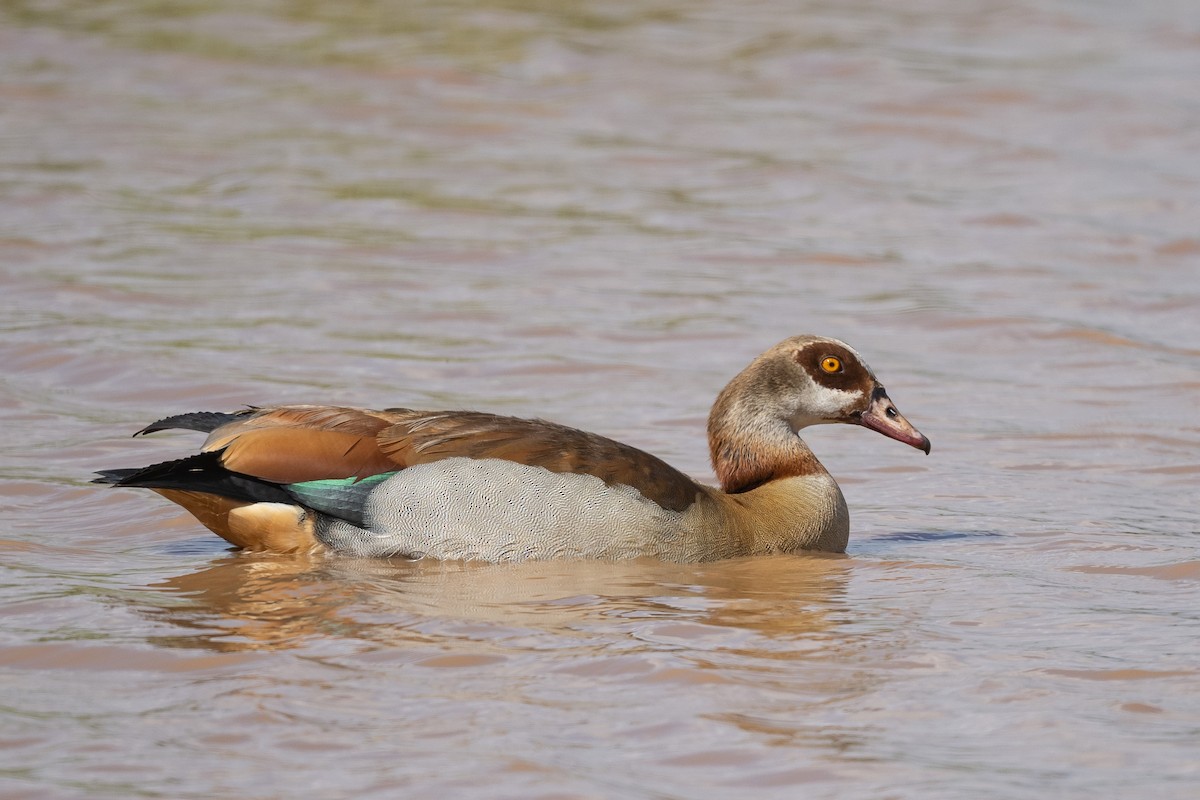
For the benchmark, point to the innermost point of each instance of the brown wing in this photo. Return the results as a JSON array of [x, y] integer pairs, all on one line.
[[290, 444], [418, 437]]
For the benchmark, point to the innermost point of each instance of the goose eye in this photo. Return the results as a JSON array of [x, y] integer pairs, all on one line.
[[831, 364]]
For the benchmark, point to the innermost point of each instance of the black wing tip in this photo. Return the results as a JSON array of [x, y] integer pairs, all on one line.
[[201, 473], [113, 477], [151, 475], [202, 421]]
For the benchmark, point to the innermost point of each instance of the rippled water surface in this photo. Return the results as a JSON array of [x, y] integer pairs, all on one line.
[[597, 213]]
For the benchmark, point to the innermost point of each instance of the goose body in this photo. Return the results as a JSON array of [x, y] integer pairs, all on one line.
[[471, 485]]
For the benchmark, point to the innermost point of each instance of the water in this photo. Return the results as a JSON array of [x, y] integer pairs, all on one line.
[[597, 213]]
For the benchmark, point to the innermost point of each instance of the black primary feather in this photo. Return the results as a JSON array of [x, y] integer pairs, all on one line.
[[202, 421], [113, 476], [199, 473]]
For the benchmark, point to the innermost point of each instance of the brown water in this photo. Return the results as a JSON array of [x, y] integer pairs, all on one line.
[[597, 213]]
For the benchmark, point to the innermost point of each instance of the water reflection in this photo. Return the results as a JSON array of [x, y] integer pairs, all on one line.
[[933, 536], [256, 601]]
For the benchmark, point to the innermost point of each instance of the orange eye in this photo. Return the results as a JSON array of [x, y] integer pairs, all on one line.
[[831, 364]]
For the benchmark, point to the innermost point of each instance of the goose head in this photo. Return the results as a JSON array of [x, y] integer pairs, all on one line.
[[830, 382], [802, 381]]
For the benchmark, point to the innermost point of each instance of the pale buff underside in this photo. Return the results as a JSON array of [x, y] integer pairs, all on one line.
[[497, 510], [258, 527]]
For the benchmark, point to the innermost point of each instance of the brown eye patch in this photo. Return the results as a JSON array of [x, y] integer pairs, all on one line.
[[829, 364]]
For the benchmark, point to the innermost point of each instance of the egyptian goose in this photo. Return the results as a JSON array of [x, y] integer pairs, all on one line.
[[470, 485]]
